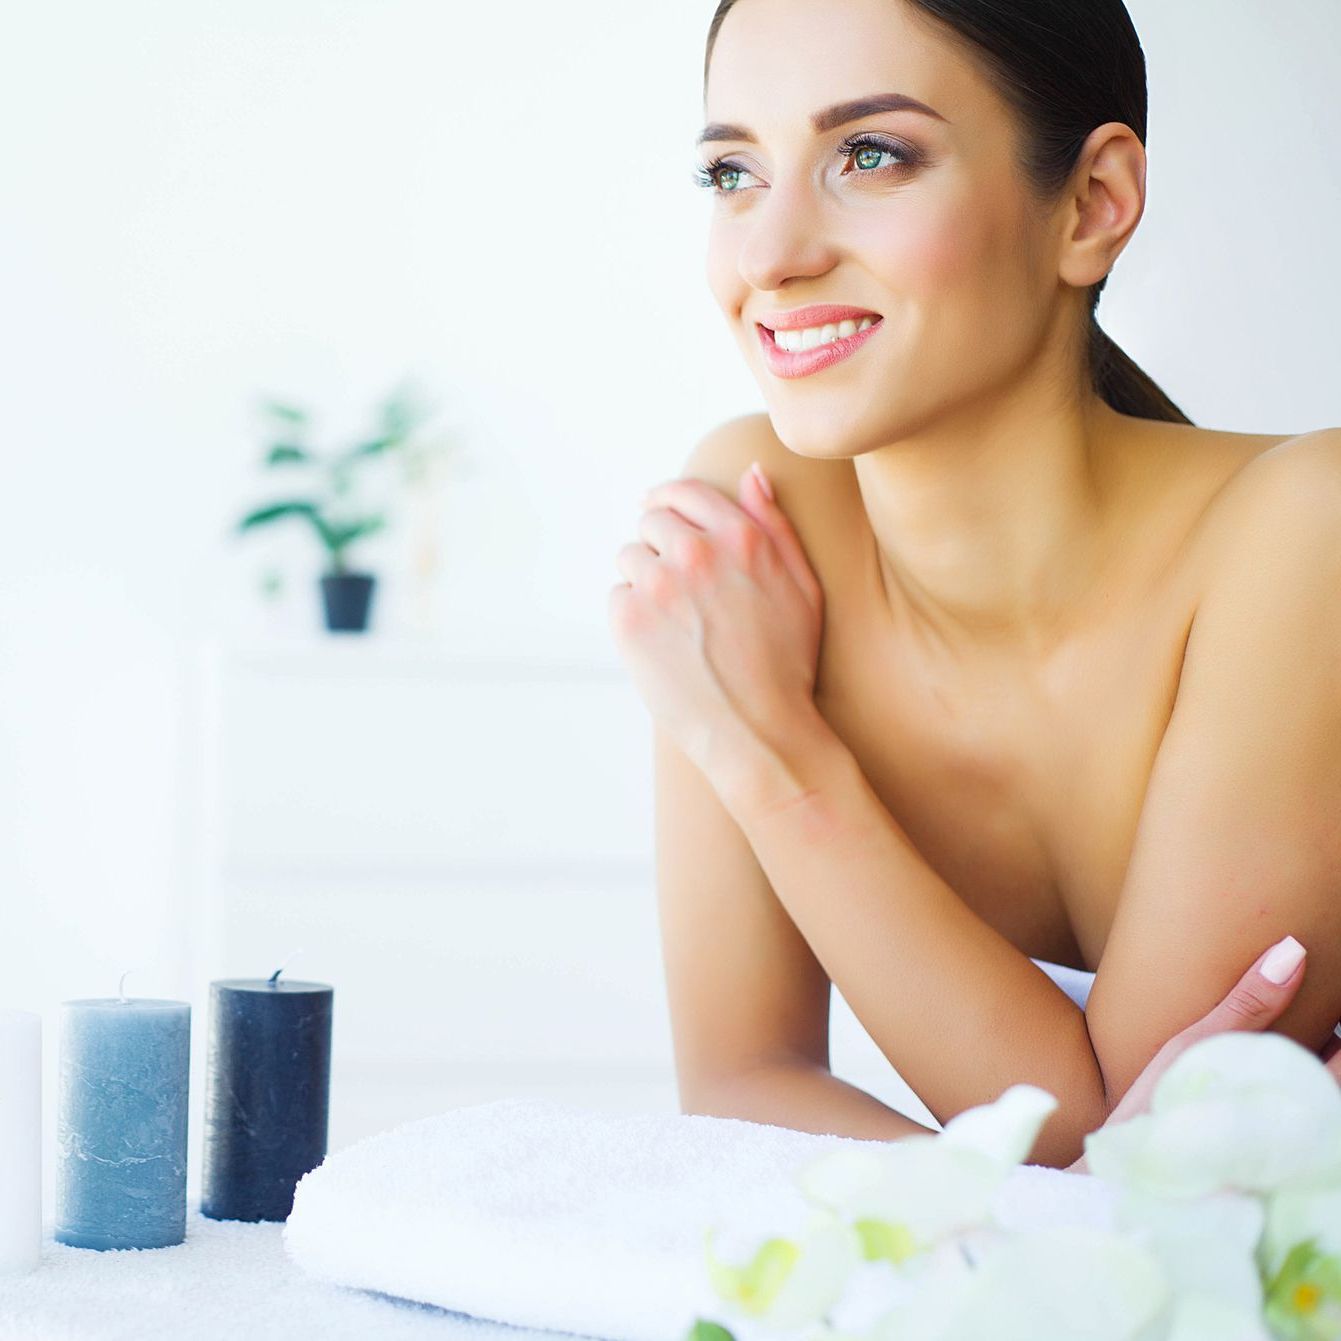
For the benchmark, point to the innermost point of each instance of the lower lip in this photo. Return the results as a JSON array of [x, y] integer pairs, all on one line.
[[803, 362]]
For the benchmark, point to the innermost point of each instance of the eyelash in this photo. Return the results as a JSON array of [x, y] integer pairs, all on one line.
[[706, 175]]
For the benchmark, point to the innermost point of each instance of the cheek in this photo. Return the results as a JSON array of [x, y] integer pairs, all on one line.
[[951, 257], [723, 275]]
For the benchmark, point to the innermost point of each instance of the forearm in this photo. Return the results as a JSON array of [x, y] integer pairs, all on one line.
[[805, 1097], [958, 1010]]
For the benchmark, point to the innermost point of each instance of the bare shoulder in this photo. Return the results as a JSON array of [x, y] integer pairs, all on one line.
[[724, 453], [820, 497], [1288, 494]]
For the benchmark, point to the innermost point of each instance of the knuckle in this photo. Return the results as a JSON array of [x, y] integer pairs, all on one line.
[[661, 585], [741, 534], [694, 553], [1247, 1003]]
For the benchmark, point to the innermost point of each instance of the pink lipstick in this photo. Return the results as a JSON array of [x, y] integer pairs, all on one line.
[[803, 362]]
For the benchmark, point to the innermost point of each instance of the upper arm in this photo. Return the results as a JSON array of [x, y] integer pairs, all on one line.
[[1239, 839], [744, 987]]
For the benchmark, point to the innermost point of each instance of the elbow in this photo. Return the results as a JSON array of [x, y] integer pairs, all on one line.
[[1061, 1140], [703, 1099]]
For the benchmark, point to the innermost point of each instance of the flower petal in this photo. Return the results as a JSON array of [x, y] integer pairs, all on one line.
[[1006, 1129]]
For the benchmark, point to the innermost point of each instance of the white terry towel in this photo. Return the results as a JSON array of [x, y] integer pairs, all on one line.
[[553, 1216]]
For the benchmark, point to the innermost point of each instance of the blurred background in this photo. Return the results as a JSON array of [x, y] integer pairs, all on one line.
[[209, 208]]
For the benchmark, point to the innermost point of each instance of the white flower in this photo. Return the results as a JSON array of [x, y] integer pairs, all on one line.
[[883, 1206], [1252, 1112], [790, 1283], [1297, 1215], [911, 1194], [1206, 1247], [1081, 1284]]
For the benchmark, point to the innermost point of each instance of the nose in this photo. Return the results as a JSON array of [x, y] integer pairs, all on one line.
[[786, 238]]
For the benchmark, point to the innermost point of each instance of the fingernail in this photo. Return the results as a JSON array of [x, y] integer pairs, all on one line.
[[763, 479], [1282, 960]]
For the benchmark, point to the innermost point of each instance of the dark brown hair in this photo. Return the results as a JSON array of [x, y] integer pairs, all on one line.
[[1065, 66]]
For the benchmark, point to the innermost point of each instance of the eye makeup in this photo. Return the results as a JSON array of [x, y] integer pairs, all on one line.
[[710, 175]]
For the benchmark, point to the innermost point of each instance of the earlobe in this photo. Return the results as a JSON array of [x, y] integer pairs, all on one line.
[[1108, 200]]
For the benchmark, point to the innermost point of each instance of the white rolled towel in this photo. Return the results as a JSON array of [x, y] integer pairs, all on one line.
[[553, 1216]]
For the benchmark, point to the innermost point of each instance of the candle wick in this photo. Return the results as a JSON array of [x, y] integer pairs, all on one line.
[[121, 986], [274, 977]]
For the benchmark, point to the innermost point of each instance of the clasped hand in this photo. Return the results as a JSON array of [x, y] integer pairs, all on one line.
[[719, 621]]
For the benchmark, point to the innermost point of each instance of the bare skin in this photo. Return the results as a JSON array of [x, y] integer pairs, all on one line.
[[1019, 774], [987, 607]]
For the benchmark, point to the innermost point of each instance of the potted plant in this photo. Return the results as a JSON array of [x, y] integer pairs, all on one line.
[[327, 499]]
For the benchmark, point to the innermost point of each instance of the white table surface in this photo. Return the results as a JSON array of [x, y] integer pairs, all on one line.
[[228, 1280]]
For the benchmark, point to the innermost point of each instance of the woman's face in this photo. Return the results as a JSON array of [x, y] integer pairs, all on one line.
[[924, 220]]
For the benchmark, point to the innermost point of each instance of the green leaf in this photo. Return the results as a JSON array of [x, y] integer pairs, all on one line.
[[274, 511], [345, 533], [286, 453], [703, 1330], [398, 414], [291, 414], [295, 508], [373, 447]]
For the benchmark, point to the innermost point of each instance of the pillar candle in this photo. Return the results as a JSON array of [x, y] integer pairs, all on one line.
[[121, 1122], [267, 1094], [20, 1141]]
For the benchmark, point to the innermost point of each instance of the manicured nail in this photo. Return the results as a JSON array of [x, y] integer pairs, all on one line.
[[763, 479], [1282, 960]]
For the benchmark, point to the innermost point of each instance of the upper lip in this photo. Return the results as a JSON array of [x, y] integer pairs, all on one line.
[[818, 314]]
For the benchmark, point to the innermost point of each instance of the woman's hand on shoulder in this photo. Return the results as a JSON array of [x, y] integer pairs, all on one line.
[[1253, 1004], [719, 620]]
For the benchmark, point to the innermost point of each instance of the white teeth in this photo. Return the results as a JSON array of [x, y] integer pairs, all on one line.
[[814, 336]]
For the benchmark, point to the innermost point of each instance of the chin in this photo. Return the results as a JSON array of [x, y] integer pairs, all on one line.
[[817, 431]]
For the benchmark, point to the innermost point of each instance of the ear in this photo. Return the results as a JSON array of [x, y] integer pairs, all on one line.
[[1106, 203]]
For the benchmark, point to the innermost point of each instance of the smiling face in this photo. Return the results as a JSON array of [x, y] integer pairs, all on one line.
[[925, 220]]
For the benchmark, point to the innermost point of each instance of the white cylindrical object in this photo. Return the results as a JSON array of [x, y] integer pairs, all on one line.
[[20, 1141]]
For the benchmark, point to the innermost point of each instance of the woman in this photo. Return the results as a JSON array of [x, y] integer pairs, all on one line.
[[999, 660]]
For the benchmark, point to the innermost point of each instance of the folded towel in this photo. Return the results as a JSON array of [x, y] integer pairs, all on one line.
[[549, 1215]]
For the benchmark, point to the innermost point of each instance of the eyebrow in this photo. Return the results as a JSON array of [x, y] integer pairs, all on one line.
[[827, 118]]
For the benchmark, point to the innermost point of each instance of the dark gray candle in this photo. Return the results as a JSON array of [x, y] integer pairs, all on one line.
[[267, 1094]]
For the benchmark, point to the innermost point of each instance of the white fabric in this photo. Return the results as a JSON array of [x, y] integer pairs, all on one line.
[[1076, 983], [229, 1281], [550, 1215]]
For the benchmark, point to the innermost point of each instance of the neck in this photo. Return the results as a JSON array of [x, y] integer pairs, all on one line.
[[992, 528]]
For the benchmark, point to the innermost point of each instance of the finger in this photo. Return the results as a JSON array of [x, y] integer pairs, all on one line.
[[1256, 1000], [659, 527], [696, 500], [757, 497], [634, 562]]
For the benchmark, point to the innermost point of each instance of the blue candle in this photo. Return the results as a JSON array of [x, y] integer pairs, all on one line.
[[267, 1094], [125, 1069]]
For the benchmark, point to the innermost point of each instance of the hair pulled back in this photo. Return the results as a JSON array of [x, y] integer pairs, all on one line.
[[1065, 66]]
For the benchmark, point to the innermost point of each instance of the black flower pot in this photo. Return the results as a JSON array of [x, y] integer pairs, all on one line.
[[347, 597]]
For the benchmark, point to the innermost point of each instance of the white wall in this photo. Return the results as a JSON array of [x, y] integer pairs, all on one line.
[[204, 201]]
